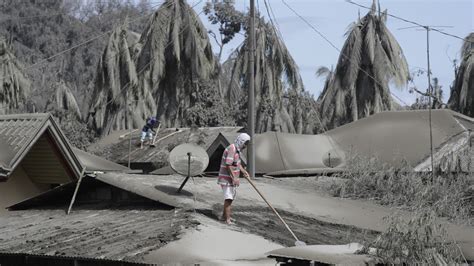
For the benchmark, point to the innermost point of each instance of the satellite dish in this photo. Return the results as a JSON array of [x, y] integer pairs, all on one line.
[[188, 160], [333, 158], [197, 159]]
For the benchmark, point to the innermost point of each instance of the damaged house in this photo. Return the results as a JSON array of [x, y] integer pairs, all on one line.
[[34, 157]]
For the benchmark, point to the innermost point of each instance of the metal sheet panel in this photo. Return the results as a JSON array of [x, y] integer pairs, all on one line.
[[328, 254]]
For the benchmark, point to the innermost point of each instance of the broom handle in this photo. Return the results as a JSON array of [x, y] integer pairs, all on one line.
[[269, 205], [156, 133]]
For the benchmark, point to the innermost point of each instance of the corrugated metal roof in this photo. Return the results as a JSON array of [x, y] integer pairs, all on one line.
[[123, 235], [162, 189], [96, 163]]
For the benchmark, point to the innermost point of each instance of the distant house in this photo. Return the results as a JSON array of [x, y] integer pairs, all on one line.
[[216, 149], [34, 157]]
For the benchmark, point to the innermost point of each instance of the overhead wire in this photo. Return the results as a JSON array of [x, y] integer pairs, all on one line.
[[413, 23], [272, 18], [339, 50]]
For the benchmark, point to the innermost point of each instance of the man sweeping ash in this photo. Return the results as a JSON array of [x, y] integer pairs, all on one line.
[[148, 130], [229, 173]]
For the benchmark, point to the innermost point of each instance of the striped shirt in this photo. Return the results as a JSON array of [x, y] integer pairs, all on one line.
[[230, 157]]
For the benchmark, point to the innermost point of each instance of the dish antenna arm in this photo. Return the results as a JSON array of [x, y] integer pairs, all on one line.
[[189, 173]]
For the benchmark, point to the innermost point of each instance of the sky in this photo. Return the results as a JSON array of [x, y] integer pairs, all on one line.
[[332, 18]]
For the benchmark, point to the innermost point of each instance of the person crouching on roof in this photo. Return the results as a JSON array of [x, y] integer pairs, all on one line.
[[230, 171], [148, 130]]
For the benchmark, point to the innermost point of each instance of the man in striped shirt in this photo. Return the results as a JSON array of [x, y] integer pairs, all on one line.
[[229, 173]]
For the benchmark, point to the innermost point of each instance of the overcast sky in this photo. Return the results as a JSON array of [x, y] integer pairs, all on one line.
[[332, 18]]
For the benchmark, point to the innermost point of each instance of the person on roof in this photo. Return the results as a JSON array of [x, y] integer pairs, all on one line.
[[229, 173], [148, 130]]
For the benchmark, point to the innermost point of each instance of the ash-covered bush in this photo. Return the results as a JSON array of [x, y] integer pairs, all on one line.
[[419, 240], [450, 195]]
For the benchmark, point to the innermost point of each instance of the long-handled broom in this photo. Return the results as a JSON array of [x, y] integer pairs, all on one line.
[[297, 242]]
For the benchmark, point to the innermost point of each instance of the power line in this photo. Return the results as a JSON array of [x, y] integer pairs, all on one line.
[[272, 18], [339, 50], [412, 22]]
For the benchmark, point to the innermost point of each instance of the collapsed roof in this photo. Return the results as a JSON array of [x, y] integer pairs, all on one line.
[[397, 136]]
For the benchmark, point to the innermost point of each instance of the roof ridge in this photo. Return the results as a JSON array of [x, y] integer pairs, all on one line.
[[24, 116]]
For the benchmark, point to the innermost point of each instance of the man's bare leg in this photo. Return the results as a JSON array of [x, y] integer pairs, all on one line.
[[227, 210]]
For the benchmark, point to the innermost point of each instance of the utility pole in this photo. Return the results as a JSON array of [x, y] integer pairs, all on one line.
[[429, 92], [128, 119], [251, 93]]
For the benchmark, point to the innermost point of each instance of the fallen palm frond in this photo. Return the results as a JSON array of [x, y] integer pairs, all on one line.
[[14, 86], [370, 59], [63, 99]]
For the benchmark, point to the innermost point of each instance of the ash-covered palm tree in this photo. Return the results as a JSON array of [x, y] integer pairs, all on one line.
[[63, 100], [462, 91], [175, 56], [14, 86], [327, 74], [370, 59], [117, 101], [275, 73]]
